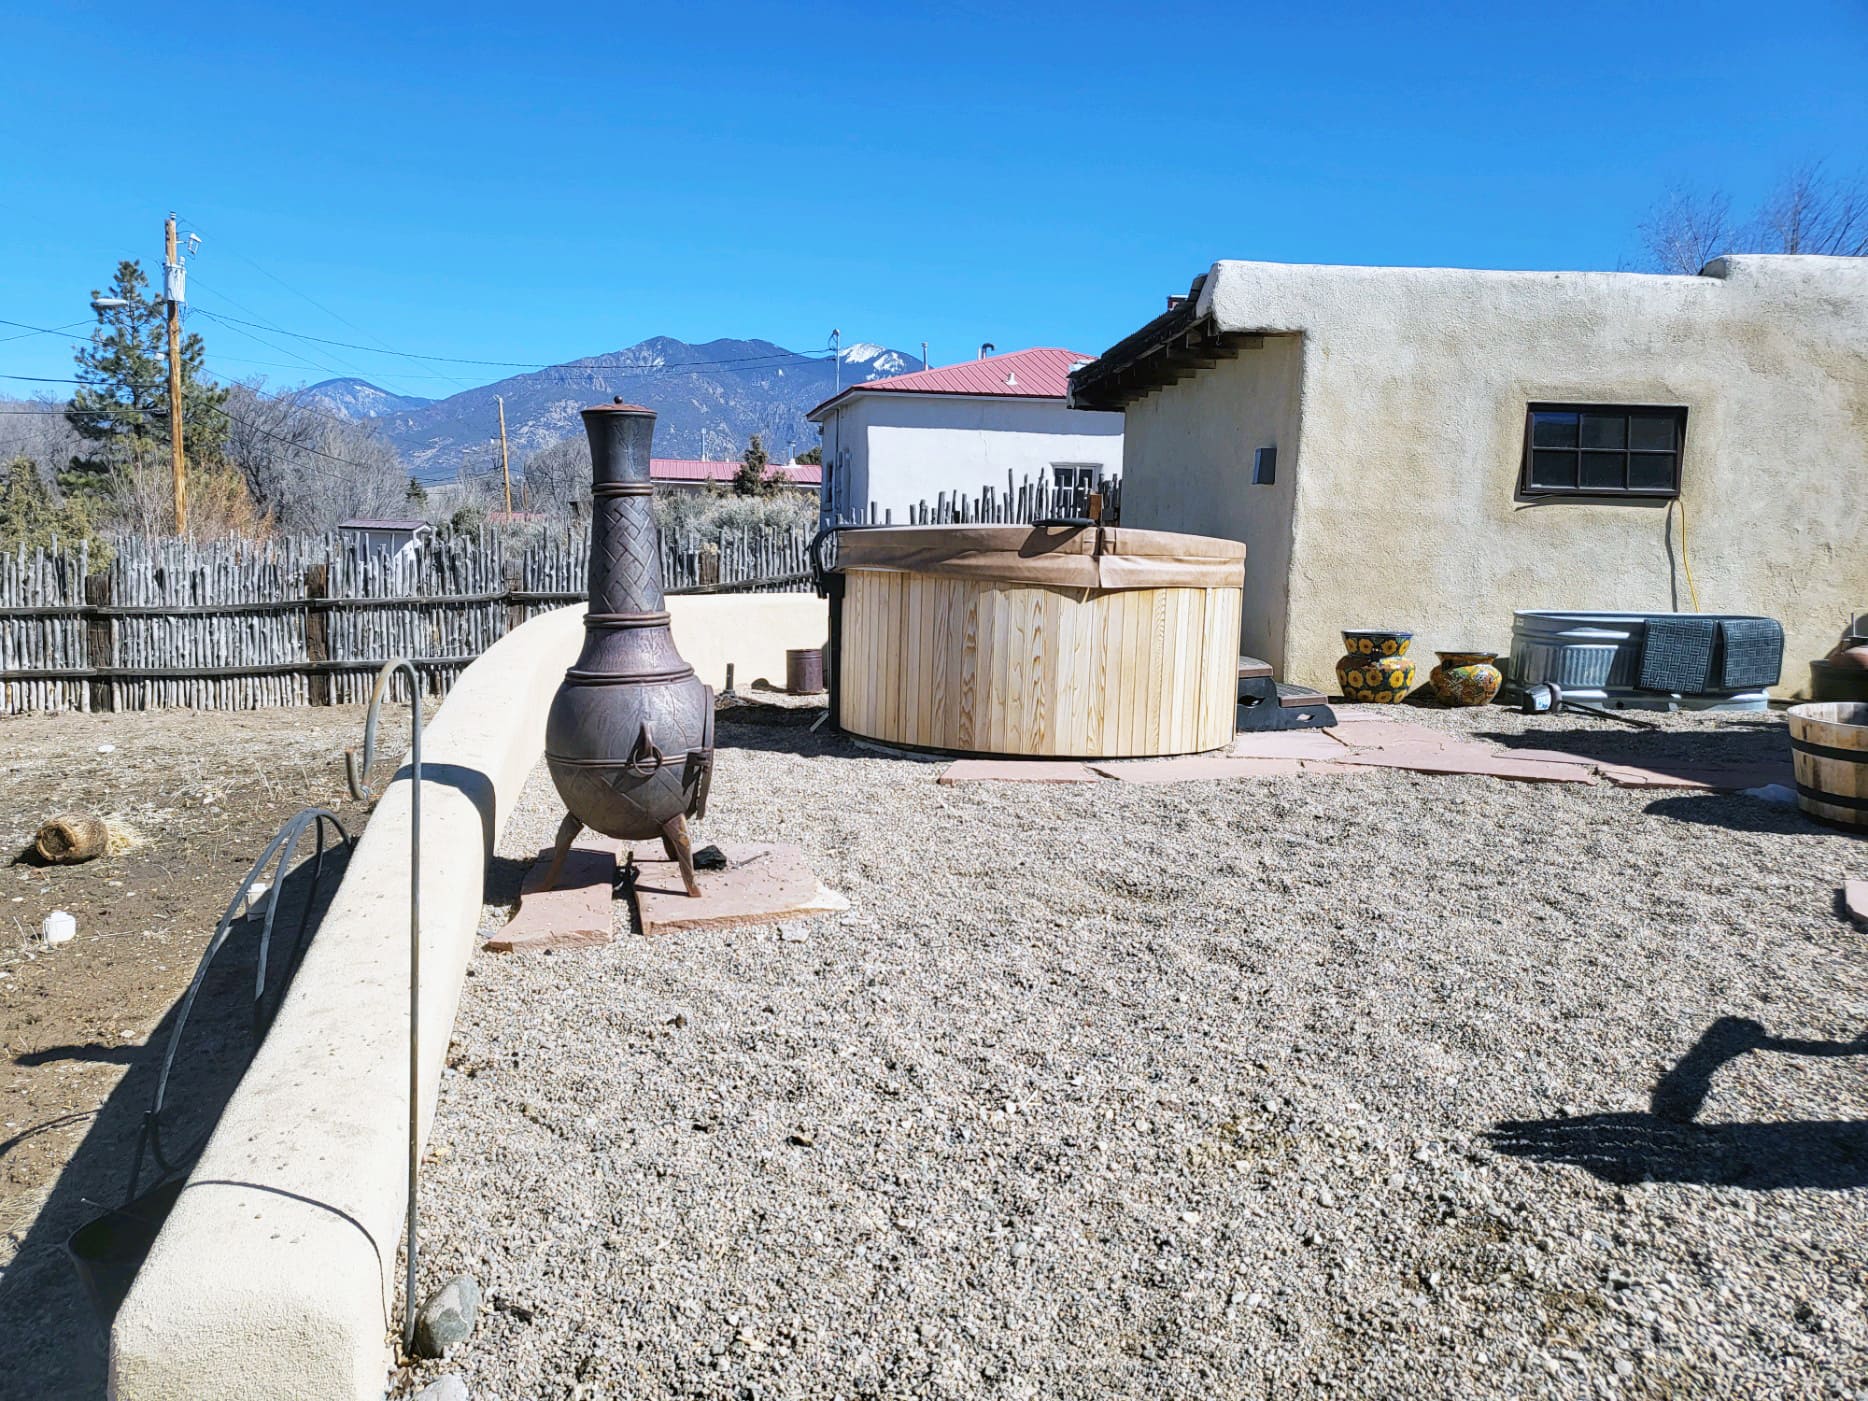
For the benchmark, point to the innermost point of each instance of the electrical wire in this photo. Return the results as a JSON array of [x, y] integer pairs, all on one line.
[[39, 330], [1686, 561], [777, 357], [313, 301]]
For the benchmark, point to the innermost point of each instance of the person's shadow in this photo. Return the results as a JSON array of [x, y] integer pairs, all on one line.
[[1667, 1144]]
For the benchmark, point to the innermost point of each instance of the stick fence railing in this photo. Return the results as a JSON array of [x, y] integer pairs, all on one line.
[[1019, 502], [238, 624]]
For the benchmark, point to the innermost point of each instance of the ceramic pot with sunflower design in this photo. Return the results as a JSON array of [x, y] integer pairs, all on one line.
[[1375, 666], [1465, 678]]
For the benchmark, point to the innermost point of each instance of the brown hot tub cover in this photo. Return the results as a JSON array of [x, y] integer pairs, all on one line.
[[1061, 556]]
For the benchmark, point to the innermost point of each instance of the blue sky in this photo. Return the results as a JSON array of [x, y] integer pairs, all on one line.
[[534, 183]]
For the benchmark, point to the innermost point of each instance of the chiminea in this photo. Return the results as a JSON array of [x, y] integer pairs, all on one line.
[[630, 735]]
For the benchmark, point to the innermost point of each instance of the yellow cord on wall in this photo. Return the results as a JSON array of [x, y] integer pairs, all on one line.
[[1685, 561]]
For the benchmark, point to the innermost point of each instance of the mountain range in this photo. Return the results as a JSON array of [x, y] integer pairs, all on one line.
[[710, 399]]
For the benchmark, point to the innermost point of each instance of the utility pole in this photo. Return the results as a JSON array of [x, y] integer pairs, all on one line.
[[836, 353], [504, 471], [174, 292]]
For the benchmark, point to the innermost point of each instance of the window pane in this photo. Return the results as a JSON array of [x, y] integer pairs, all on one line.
[[1651, 471], [1553, 469], [1603, 471], [1604, 430], [1553, 430], [1653, 431]]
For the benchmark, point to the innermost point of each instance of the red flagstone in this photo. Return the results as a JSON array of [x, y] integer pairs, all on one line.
[[1855, 899], [1552, 756], [1467, 759], [1200, 766], [576, 913], [1288, 744], [764, 882], [1383, 731], [1714, 776]]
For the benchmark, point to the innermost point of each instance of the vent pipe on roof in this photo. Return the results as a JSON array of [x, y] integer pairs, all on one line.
[[986, 348], [924, 355]]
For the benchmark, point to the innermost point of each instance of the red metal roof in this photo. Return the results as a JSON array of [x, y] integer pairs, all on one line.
[[688, 469], [1040, 373]]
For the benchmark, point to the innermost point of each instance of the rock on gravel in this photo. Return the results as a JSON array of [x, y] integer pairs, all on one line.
[[1326, 1085], [447, 1317]]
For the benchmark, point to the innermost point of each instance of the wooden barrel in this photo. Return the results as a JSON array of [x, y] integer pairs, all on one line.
[[1829, 745], [1027, 640]]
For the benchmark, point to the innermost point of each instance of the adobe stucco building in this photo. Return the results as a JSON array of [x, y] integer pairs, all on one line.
[[1448, 445]]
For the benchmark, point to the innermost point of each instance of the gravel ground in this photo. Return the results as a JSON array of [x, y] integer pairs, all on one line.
[[1368, 1085]]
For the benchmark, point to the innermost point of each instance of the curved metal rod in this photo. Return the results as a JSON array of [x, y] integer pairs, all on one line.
[[357, 775], [281, 846], [290, 837]]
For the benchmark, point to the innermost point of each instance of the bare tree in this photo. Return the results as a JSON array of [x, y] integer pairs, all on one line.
[[557, 478], [1687, 230], [1808, 211], [38, 430], [306, 468]]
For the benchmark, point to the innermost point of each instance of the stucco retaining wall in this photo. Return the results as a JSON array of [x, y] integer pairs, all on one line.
[[275, 1276]]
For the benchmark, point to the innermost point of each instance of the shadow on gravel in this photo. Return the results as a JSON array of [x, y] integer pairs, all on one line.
[[1739, 813], [1740, 740], [52, 1343], [1667, 1145], [778, 730]]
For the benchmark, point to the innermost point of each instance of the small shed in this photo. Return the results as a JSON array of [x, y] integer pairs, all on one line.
[[384, 537]]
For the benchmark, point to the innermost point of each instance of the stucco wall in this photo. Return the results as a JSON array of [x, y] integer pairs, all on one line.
[[276, 1273], [1413, 389], [1193, 472], [908, 448]]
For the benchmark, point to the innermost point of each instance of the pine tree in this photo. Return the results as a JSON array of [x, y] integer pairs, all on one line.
[[750, 479], [32, 518], [417, 494], [814, 457], [122, 399]]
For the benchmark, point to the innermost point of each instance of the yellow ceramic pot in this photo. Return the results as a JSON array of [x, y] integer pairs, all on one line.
[[1465, 678], [1375, 666]]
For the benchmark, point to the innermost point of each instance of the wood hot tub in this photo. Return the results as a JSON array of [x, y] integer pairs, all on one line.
[[1066, 641]]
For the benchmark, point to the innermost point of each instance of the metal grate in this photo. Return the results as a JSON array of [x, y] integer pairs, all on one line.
[[1752, 653], [1677, 655]]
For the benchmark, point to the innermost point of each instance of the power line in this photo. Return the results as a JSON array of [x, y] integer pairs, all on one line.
[[777, 357], [307, 297], [38, 330]]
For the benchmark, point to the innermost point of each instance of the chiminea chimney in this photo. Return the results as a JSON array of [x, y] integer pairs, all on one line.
[[629, 739]]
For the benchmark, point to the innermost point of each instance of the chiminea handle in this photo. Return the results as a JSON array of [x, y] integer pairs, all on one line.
[[645, 759]]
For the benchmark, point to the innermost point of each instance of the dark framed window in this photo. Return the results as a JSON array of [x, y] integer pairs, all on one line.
[[1602, 450]]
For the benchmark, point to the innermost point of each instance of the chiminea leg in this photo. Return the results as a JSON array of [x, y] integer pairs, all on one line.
[[675, 841], [567, 833]]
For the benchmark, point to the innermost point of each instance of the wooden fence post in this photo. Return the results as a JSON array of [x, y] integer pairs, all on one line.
[[97, 649], [515, 583], [318, 631]]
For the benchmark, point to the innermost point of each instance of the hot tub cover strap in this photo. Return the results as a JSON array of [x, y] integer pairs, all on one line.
[[1063, 557]]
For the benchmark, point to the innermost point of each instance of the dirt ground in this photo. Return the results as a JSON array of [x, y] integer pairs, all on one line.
[[192, 799]]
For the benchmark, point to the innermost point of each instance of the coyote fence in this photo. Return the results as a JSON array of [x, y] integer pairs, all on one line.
[[238, 624], [1020, 503]]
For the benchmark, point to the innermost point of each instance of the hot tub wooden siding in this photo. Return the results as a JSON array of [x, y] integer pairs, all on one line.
[[990, 667]]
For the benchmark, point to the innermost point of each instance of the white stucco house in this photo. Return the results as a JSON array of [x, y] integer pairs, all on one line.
[[373, 537], [892, 443], [1432, 448]]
